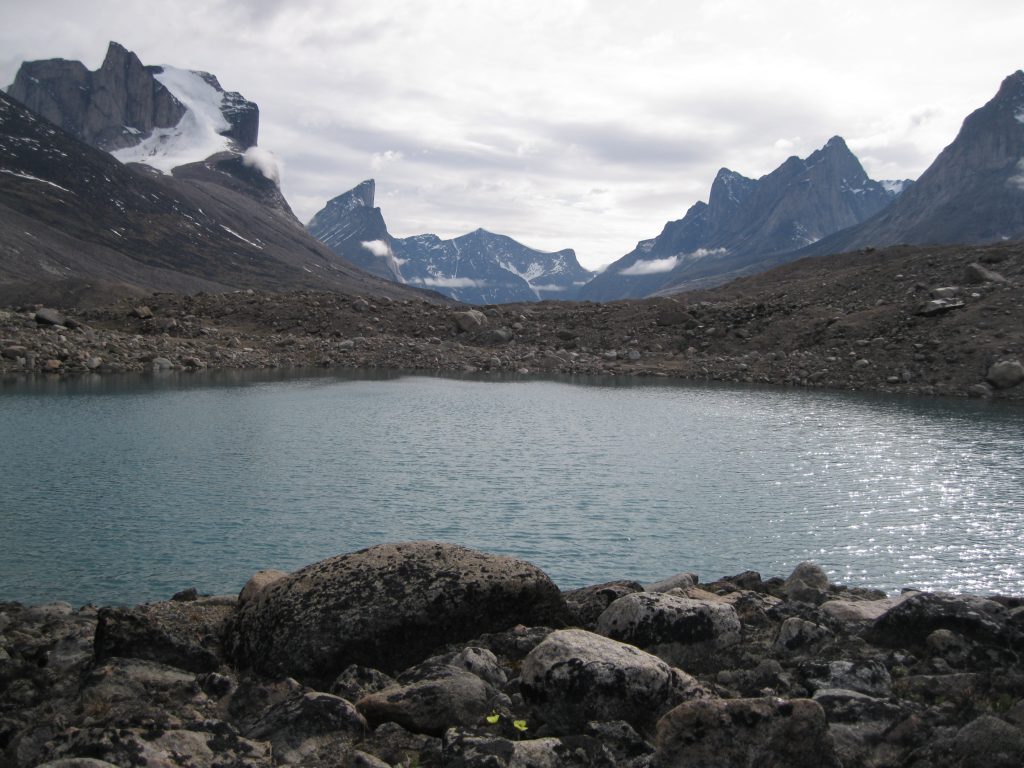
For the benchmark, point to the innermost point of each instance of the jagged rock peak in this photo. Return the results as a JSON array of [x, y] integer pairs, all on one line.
[[360, 196], [137, 112]]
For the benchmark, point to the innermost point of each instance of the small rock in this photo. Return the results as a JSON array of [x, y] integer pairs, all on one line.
[[47, 316], [976, 274], [470, 320], [142, 312], [798, 635]]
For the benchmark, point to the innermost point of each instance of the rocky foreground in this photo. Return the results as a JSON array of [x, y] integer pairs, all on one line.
[[425, 654], [947, 321]]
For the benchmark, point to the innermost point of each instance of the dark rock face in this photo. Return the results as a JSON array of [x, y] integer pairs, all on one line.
[[971, 193], [745, 223], [100, 107], [121, 103], [477, 268], [387, 607]]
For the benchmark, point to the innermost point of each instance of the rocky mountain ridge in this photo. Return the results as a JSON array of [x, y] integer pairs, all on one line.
[[972, 193], [74, 219], [477, 268], [746, 221]]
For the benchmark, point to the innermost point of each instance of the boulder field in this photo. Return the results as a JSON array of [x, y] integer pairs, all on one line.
[[428, 654], [903, 320]]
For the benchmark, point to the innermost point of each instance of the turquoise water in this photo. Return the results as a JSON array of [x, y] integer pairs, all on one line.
[[120, 490]]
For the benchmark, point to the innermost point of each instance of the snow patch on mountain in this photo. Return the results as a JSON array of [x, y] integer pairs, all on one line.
[[895, 186], [196, 136]]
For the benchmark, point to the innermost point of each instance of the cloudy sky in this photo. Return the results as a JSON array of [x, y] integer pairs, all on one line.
[[562, 123]]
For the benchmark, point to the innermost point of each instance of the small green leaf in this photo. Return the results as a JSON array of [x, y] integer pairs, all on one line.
[[520, 725], [493, 718]]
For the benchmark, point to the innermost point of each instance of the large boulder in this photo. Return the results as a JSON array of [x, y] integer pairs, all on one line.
[[739, 733], [680, 630], [386, 607], [576, 676], [909, 624]]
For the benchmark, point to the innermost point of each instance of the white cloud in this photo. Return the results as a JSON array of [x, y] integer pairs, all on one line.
[[264, 162], [651, 266], [449, 282], [548, 288], [377, 247], [379, 159]]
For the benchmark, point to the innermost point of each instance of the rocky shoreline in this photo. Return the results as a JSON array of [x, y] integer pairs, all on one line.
[[426, 654], [907, 320]]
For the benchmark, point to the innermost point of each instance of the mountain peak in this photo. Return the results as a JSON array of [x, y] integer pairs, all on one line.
[[836, 143], [1012, 87], [360, 196]]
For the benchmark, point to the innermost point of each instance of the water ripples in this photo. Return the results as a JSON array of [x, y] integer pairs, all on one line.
[[135, 494]]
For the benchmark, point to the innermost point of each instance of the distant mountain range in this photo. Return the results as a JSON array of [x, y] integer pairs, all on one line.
[[477, 268], [747, 220], [152, 179]]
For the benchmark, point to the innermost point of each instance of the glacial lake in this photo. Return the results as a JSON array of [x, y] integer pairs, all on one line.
[[119, 490]]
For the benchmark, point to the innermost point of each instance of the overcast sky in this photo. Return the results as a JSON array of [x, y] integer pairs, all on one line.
[[561, 123]]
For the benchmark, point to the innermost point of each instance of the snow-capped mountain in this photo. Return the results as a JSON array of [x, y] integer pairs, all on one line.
[[74, 220], [972, 193], [747, 221], [477, 268], [162, 116]]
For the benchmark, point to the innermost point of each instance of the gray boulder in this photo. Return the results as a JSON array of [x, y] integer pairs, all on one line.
[[682, 631], [387, 607], [909, 624], [470, 320], [1005, 374], [740, 733], [586, 604], [437, 698], [48, 316], [679, 581], [576, 676], [988, 742], [798, 635], [309, 722], [808, 583], [182, 634]]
